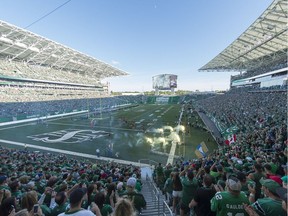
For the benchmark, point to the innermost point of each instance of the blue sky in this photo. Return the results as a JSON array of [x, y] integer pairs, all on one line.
[[143, 37]]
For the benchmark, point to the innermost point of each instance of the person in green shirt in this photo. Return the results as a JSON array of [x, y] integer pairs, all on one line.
[[256, 176], [189, 187], [271, 204], [168, 189], [230, 202]]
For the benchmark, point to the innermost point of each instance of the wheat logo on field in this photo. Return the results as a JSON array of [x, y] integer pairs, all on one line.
[[69, 136]]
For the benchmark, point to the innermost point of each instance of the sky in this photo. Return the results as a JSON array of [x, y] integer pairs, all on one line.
[[143, 37]]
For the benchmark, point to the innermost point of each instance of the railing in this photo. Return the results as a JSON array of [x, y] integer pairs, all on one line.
[[166, 206], [156, 200], [148, 161]]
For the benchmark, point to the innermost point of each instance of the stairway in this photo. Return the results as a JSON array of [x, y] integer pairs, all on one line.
[[152, 195]]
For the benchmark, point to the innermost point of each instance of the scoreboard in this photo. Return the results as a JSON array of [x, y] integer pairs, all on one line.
[[164, 81]]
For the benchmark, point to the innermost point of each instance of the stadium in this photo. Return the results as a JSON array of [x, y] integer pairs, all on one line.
[[62, 128]]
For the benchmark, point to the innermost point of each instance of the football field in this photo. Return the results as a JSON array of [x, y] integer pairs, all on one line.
[[139, 132]]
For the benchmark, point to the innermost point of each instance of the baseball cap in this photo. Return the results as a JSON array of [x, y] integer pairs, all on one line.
[[234, 184], [282, 193], [276, 179], [77, 195], [285, 179], [2, 178], [131, 182], [270, 184], [119, 185]]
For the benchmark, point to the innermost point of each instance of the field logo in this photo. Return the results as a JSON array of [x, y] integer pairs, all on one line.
[[69, 136]]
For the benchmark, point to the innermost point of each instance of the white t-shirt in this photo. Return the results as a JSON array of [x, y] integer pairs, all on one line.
[[81, 212]]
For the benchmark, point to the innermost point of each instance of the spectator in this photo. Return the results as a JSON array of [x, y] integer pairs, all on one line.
[[76, 198], [110, 197], [105, 209], [177, 191], [168, 189], [124, 207], [29, 199], [282, 193], [189, 186], [271, 204], [256, 176], [137, 198], [230, 202], [62, 204], [7, 206], [202, 197], [271, 175]]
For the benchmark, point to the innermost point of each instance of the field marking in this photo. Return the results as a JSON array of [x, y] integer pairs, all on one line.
[[74, 153], [42, 118], [6, 128], [125, 129], [174, 144]]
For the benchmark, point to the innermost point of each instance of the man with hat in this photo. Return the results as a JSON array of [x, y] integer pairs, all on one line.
[[271, 204], [231, 201], [137, 198], [76, 198]]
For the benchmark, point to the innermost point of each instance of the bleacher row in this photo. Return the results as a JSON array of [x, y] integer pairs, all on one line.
[[264, 69], [43, 108], [28, 71], [29, 94]]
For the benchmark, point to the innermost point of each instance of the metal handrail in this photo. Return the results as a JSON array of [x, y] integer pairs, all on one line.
[[156, 198], [165, 205]]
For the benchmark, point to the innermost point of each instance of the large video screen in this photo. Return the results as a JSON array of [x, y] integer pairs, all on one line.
[[164, 81]]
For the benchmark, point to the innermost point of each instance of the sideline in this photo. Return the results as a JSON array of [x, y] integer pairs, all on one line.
[[78, 154], [41, 118]]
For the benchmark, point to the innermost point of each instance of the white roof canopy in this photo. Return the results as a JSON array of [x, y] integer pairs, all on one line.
[[264, 42], [18, 44]]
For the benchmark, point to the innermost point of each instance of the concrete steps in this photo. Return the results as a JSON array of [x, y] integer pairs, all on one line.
[[154, 200]]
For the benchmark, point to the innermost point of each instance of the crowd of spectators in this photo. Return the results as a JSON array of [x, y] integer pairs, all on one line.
[[282, 63], [34, 183], [29, 94], [44, 108], [247, 177], [28, 71]]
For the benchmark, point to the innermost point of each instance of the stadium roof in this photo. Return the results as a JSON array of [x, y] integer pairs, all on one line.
[[18, 44], [263, 43]]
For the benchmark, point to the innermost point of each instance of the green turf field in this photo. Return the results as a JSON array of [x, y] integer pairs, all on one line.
[[140, 132]]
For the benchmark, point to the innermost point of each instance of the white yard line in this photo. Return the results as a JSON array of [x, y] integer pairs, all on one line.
[[174, 144]]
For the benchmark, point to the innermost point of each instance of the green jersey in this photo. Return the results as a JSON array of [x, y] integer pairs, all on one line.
[[59, 209], [224, 203], [137, 199], [106, 210], [268, 206], [189, 189]]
